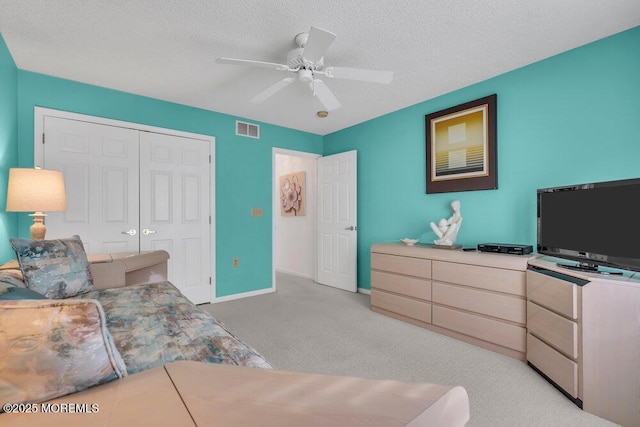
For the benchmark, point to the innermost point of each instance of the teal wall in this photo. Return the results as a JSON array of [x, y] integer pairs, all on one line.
[[243, 165], [8, 146], [572, 118]]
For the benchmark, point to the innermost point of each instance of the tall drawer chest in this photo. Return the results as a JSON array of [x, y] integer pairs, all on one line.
[[584, 336]]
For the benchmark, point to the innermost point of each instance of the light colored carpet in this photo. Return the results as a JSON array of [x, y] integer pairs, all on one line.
[[308, 327]]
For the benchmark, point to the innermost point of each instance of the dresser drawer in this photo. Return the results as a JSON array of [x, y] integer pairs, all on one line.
[[493, 331], [555, 294], [400, 264], [408, 307], [559, 368], [489, 278], [492, 304], [553, 329], [405, 285]]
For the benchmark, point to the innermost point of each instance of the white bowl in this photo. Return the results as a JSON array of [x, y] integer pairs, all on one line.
[[409, 242]]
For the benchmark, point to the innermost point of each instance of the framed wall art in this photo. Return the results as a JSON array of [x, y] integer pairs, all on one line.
[[461, 147], [292, 194]]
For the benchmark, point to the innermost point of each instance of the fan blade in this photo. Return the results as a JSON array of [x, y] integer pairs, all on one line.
[[317, 44], [273, 89], [252, 63], [361, 74], [324, 95]]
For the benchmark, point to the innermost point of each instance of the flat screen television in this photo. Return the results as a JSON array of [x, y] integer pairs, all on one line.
[[594, 224]]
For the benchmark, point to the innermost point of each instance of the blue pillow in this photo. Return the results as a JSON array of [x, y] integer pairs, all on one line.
[[55, 268], [15, 293]]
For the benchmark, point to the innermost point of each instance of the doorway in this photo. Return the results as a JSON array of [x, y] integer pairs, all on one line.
[[294, 236], [320, 245]]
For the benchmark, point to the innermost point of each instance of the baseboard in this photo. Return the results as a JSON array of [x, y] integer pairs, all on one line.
[[244, 295], [294, 273], [364, 291]]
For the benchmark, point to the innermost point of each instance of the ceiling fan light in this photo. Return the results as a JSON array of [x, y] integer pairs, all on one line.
[[305, 75]]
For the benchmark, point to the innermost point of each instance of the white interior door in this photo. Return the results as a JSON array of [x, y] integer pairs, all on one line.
[[100, 168], [174, 209], [133, 189], [337, 221]]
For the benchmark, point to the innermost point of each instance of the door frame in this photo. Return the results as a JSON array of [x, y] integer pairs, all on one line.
[[39, 114], [276, 207]]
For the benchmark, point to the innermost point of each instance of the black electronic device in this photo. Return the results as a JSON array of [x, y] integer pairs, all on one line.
[[593, 224], [505, 248]]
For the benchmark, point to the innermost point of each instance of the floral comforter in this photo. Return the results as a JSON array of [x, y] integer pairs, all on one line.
[[154, 324]]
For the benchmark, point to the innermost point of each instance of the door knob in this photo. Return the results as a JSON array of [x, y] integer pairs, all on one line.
[[351, 228], [131, 232], [146, 231]]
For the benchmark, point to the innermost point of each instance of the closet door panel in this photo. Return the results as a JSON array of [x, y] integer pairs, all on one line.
[[100, 167], [174, 208]]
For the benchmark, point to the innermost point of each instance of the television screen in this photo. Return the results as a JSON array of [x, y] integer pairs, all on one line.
[[594, 224]]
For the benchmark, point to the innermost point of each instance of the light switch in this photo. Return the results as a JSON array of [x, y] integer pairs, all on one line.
[[256, 212]]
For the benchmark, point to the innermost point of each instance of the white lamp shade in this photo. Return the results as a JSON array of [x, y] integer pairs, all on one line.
[[35, 190]]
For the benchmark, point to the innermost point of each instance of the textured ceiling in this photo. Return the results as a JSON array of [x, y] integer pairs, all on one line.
[[167, 49]]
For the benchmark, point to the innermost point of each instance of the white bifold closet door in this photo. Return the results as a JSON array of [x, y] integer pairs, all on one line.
[[101, 172], [174, 208], [131, 191]]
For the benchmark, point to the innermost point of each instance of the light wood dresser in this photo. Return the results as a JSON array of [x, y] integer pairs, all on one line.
[[580, 330], [475, 297], [584, 337]]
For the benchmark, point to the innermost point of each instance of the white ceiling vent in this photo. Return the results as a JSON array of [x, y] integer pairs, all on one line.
[[247, 129]]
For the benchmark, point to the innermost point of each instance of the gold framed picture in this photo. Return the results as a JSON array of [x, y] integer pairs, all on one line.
[[461, 147]]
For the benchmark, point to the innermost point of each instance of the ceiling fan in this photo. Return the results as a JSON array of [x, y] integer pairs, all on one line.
[[307, 62]]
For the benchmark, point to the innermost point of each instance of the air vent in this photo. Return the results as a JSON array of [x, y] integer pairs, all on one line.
[[247, 129]]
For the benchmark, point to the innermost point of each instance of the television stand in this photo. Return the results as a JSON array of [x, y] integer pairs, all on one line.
[[583, 335], [587, 267]]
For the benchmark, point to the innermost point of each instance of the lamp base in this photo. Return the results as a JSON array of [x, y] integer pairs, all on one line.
[[38, 229]]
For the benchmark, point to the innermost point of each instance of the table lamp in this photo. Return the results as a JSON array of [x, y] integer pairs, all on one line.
[[37, 190]]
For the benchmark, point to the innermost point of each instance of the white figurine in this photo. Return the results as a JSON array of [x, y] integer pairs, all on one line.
[[447, 229]]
